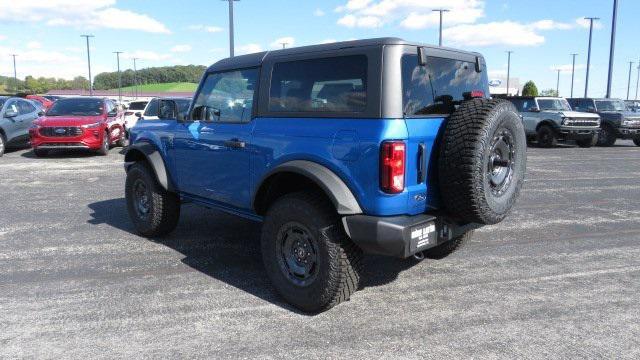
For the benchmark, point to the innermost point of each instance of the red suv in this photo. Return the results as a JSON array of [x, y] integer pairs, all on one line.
[[46, 103], [78, 123]]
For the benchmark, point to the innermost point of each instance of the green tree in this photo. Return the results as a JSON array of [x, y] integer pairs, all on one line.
[[530, 89]]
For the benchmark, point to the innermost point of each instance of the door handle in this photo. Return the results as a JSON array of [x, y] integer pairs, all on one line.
[[235, 144]]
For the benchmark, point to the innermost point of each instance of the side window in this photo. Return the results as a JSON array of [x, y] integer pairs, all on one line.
[[337, 84], [152, 109], [438, 86], [226, 97], [528, 104], [13, 106], [25, 107]]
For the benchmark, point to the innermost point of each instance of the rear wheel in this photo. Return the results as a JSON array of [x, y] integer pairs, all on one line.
[[307, 255], [153, 210], [607, 136], [546, 137], [482, 161], [587, 143], [636, 141]]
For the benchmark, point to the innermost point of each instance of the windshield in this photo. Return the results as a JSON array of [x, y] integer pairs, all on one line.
[[138, 105], [77, 107], [554, 104], [610, 105]]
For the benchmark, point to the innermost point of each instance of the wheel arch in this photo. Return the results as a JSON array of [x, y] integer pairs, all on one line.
[[301, 175], [148, 153], [547, 122]]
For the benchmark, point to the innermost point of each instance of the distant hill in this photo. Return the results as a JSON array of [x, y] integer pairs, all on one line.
[[166, 87]]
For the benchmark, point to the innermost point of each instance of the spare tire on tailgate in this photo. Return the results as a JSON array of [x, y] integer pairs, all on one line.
[[482, 161]]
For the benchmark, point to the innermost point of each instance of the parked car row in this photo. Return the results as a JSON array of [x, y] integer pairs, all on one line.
[[95, 124], [586, 121]]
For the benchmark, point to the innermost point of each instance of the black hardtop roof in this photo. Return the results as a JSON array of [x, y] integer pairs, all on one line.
[[256, 59]]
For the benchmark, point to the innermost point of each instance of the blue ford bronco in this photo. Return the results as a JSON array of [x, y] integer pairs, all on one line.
[[377, 146]]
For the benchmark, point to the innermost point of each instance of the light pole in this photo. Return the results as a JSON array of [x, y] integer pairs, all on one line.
[[629, 83], [89, 63], [612, 47], [15, 74], [230, 26], [135, 77], [284, 44], [637, 80], [573, 71], [441, 11], [508, 69], [558, 83], [119, 76], [586, 83]]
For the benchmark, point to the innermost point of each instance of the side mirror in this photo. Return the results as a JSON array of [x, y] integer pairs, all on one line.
[[10, 113], [41, 113], [138, 114]]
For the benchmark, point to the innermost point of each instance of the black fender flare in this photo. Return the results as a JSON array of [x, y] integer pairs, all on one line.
[[153, 157], [337, 191]]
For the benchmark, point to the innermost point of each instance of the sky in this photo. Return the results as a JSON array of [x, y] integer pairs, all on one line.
[[46, 33]]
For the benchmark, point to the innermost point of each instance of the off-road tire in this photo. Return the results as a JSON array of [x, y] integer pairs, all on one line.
[[3, 144], [40, 152], [445, 249], [105, 145], [164, 207], [587, 143], [546, 137], [466, 156], [607, 136], [338, 259], [636, 141]]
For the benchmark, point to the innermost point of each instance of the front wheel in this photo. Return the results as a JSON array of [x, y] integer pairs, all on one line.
[[587, 143], [106, 144], [607, 136], [2, 144], [307, 255], [546, 137], [153, 210], [636, 141]]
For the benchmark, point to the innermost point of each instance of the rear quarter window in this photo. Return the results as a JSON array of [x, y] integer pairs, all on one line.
[[329, 85], [437, 87]]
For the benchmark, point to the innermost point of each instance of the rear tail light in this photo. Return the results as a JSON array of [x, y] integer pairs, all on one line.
[[477, 94], [392, 164]]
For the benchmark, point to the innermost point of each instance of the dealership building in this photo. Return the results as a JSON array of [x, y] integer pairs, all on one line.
[[498, 85]]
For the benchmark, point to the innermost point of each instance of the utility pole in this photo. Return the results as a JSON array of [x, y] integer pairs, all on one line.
[[573, 71], [612, 46], [284, 44], [586, 84], [15, 74], [441, 11], [119, 76], [629, 83], [89, 63], [508, 69], [558, 83], [230, 26], [135, 77], [637, 80]]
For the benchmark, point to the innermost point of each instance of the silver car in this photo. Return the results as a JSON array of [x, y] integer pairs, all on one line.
[[548, 120], [16, 117]]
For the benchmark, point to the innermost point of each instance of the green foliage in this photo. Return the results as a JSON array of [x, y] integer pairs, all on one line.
[[167, 87], [530, 89], [549, 92], [158, 75]]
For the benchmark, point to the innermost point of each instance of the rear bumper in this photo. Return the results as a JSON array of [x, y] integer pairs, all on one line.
[[401, 236], [576, 133]]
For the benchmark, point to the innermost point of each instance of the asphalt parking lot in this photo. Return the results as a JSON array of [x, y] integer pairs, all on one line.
[[560, 278]]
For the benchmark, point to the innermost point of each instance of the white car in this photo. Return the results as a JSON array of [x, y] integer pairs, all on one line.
[[133, 113], [152, 110]]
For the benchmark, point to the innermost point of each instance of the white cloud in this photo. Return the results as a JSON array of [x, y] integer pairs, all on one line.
[[146, 55], [582, 22], [206, 28], [248, 49], [417, 20], [494, 33], [319, 12], [328, 41], [277, 43], [360, 21], [551, 25], [181, 48], [567, 67], [42, 62], [34, 45], [78, 13]]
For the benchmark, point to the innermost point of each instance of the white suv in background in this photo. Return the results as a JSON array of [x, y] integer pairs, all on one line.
[[152, 111], [133, 113]]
